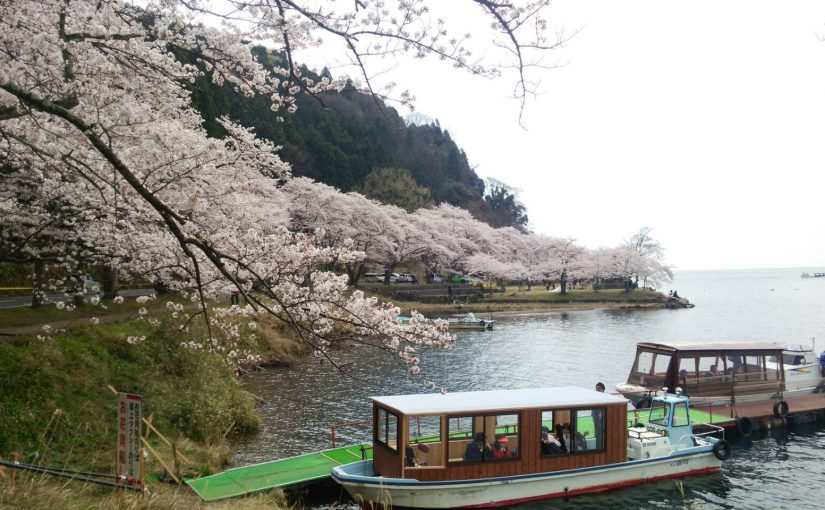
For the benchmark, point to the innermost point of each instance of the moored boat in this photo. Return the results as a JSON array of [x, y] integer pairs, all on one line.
[[471, 322], [495, 448], [462, 322], [722, 372]]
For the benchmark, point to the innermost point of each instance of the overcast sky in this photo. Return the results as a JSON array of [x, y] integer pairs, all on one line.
[[704, 120]]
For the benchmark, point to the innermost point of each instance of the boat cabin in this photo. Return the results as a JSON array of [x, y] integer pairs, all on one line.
[[483, 434], [704, 370]]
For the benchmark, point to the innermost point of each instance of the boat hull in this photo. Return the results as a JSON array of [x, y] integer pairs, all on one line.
[[375, 491]]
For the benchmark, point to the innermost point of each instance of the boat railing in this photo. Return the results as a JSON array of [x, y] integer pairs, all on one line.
[[637, 434], [689, 441], [715, 429], [337, 426]]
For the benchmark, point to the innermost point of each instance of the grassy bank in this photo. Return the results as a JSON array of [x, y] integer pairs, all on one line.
[[538, 299], [40, 491], [57, 410]]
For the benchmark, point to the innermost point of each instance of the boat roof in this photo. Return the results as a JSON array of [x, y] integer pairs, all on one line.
[[496, 400], [711, 347]]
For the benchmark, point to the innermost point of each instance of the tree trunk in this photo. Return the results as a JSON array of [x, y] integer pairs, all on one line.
[[37, 283], [354, 272], [387, 273], [563, 284], [109, 282]]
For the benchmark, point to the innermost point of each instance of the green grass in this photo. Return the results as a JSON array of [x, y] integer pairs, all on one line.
[[49, 313], [539, 294], [56, 408]]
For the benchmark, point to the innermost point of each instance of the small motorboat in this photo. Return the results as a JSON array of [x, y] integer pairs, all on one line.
[[497, 448], [471, 322]]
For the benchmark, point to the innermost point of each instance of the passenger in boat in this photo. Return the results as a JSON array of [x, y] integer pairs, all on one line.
[[500, 448], [478, 448], [713, 372], [565, 439], [737, 363], [549, 444], [409, 457]]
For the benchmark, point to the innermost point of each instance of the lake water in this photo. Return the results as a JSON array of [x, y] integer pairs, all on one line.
[[581, 348]]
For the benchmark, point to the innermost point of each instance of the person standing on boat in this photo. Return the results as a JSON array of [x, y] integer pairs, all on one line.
[[478, 449], [598, 420], [500, 448]]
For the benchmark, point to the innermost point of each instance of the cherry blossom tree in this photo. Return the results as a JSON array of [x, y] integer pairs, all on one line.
[[565, 261], [651, 264]]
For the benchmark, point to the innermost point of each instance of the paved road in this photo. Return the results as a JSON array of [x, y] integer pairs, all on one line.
[[21, 301]]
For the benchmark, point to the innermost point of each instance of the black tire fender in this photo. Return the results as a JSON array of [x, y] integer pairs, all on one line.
[[745, 426], [721, 450], [781, 409]]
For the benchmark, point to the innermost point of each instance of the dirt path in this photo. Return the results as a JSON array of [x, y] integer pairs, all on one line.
[[33, 329]]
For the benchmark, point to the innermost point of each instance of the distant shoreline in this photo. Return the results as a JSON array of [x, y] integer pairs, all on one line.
[[505, 309]]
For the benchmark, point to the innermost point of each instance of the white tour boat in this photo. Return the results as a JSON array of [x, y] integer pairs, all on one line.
[[496, 448]]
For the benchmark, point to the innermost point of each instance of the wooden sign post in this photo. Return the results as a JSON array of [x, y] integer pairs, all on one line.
[[129, 416]]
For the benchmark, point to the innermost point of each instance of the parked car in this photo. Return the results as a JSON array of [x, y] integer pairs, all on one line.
[[460, 278], [405, 278], [373, 277], [379, 277], [85, 285]]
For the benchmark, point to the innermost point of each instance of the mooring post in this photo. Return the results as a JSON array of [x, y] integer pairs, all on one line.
[[176, 459], [143, 456], [15, 457]]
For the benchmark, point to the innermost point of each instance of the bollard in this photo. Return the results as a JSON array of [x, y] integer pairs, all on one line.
[[15, 457]]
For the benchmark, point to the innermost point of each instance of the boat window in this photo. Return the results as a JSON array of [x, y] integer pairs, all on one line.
[[555, 426], [425, 446], [386, 429], [790, 359], [483, 438], [662, 362], [588, 430], [707, 364], [659, 412], [649, 369], [752, 369], [644, 364], [681, 417]]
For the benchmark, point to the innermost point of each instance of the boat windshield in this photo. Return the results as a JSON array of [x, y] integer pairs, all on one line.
[[790, 359], [649, 369], [659, 412]]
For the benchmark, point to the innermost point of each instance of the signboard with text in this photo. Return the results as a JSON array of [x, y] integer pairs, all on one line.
[[129, 415]]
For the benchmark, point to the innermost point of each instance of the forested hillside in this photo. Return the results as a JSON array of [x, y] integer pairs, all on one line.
[[348, 141]]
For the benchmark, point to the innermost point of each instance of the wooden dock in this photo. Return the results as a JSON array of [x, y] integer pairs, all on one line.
[[275, 474]]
